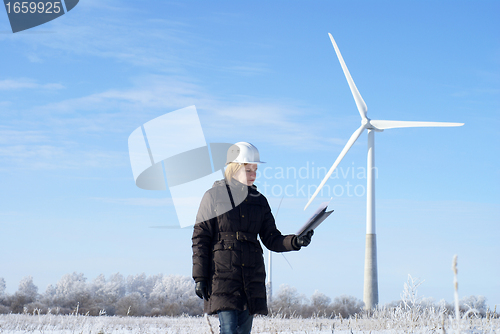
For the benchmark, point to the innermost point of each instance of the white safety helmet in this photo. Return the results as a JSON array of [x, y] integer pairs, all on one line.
[[243, 153]]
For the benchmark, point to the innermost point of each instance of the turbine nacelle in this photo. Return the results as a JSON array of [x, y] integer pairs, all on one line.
[[366, 123]]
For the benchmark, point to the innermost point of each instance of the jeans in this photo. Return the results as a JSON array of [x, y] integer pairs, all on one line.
[[235, 322]]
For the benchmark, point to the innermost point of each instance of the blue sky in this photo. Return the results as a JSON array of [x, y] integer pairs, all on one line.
[[74, 89]]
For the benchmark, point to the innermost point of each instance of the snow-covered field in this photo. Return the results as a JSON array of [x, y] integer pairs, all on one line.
[[59, 324]]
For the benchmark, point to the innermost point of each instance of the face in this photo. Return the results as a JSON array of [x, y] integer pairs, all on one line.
[[246, 174]]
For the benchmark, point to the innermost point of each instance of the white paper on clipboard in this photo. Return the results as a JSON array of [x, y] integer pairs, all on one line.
[[316, 219]]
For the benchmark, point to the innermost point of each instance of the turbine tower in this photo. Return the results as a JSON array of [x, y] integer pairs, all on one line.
[[370, 293]]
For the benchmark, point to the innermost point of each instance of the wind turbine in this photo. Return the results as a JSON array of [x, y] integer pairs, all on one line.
[[370, 292]]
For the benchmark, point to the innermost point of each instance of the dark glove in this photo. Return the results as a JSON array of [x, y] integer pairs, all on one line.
[[201, 289], [304, 240]]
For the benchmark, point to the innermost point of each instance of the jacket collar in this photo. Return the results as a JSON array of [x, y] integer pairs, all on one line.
[[233, 183]]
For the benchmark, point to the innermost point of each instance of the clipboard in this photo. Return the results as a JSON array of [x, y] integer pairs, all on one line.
[[315, 220]]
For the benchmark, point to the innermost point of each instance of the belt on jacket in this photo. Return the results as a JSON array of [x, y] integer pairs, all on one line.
[[241, 236]]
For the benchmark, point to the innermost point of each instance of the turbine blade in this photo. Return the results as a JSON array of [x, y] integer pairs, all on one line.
[[382, 125], [360, 103], [346, 148]]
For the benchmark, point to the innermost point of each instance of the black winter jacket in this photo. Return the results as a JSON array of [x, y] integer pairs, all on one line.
[[226, 251]]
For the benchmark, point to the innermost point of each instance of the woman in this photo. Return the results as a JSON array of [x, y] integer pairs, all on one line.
[[228, 266]]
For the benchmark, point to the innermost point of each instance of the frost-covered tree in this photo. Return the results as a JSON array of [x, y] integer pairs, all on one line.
[[106, 293], [71, 293], [347, 306], [3, 297], [474, 305], [287, 302], [173, 295], [141, 284], [133, 304], [48, 298], [3, 286], [26, 293], [142, 295], [28, 288], [320, 304]]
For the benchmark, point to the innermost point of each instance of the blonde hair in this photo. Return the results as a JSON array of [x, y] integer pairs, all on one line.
[[231, 169]]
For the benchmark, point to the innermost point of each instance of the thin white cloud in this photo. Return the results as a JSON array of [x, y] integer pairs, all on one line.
[[151, 92], [151, 202], [283, 123], [476, 92], [58, 157], [24, 83], [34, 58], [30, 149], [15, 137], [247, 69]]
